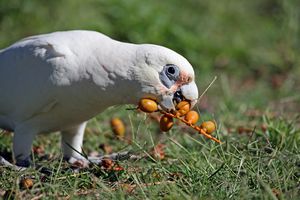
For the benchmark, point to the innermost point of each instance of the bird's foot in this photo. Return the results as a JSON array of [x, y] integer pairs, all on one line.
[[5, 163], [82, 162], [78, 163], [126, 155], [22, 165]]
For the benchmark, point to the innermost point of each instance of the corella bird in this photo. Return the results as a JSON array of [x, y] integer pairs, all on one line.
[[58, 81]]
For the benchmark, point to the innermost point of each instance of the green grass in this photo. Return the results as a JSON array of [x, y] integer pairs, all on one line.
[[247, 166], [253, 48]]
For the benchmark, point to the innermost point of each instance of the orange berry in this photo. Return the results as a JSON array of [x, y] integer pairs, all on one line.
[[148, 105], [26, 183], [118, 127], [192, 117], [166, 123], [183, 107], [208, 126]]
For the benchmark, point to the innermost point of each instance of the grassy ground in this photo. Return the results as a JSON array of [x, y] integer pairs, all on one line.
[[257, 160], [253, 49]]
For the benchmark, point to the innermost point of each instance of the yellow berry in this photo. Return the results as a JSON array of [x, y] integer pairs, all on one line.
[[183, 107], [148, 105], [208, 126], [192, 117], [118, 127], [166, 123]]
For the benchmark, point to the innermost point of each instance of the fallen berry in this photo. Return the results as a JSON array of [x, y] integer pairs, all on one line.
[[107, 163], [118, 127], [39, 150], [26, 183], [158, 152]]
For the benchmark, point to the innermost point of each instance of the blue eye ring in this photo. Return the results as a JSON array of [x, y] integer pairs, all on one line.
[[172, 72]]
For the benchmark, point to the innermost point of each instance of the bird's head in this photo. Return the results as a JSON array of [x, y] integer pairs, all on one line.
[[166, 76]]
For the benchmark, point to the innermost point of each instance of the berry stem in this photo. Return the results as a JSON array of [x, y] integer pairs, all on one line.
[[197, 128]]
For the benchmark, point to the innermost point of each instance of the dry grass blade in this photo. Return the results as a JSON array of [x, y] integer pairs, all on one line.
[[215, 78], [131, 187]]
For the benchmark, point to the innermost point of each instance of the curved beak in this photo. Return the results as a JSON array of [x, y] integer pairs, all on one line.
[[188, 92]]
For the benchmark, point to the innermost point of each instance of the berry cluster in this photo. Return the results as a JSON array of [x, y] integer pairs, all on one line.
[[182, 113]]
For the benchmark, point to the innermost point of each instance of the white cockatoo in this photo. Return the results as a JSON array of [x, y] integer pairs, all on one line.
[[58, 81]]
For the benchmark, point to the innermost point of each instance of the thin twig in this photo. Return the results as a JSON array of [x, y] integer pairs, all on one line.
[[215, 78], [213, 174], [197, 128]]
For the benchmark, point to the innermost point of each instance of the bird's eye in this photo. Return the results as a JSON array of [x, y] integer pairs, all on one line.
[[169, 75], [171, 70]]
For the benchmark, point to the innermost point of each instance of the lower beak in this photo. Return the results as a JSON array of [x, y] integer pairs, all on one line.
[[188, 92], [167, 102]]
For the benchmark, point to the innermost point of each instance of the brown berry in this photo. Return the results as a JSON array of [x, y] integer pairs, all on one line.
[[158, 152], [148, 105], [192, 117], [39, 150], [107, 163], [183, 107], [208, 126], [118, 127], [166, 123]]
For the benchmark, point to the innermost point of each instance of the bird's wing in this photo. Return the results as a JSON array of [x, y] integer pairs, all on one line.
[[37, 69], [24, 76]]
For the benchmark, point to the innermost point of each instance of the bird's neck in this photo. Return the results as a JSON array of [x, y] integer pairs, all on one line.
[[112, 69]]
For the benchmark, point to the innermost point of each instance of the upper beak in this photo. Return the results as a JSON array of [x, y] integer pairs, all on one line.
[[188, 92]]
